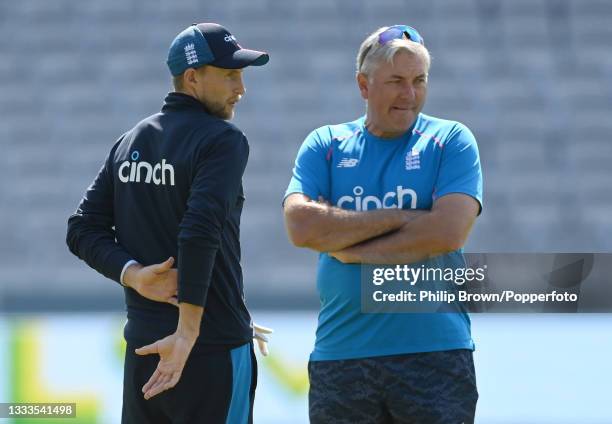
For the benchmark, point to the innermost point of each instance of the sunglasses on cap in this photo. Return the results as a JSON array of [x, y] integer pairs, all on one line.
[[396, 32]]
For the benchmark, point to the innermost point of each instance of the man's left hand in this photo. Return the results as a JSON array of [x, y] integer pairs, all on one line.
[[173, 352]]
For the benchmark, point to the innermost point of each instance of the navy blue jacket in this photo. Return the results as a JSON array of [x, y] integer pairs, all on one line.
[[172, 186]]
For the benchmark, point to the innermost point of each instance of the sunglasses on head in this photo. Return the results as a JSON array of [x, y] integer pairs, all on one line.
[[396, 32]]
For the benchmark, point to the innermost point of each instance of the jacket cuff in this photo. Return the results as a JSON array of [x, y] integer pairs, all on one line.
[[118, 261], [195, 265], [193, 294], [125, 267]]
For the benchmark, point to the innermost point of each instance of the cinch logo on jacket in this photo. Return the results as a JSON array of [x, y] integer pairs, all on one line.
[[135, 172]]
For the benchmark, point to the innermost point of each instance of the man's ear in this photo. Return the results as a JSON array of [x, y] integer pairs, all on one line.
[[190, 77], [362, 82]]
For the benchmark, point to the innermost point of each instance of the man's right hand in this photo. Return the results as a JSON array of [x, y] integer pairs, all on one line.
[[156, 282]]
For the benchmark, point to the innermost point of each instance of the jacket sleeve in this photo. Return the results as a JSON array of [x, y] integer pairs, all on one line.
[[91, 233], [213, 194]]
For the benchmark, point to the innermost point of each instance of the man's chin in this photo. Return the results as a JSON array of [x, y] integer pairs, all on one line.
[[401, 127], [229, 113], [405, 122], [226, 114]]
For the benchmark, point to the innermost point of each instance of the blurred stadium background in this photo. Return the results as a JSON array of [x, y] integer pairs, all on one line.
[[531, 78]]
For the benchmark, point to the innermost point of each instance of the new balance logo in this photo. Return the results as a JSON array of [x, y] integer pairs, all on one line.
[[132, 171], [347, 163], [190, 54], [413, 160]]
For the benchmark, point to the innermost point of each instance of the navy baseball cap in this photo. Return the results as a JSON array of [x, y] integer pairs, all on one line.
[[210, 44]]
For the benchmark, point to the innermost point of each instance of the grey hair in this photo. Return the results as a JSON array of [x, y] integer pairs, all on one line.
[[371, 53]]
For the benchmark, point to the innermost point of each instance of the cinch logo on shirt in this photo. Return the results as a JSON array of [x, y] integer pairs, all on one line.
[[132, 171], [392, 199]]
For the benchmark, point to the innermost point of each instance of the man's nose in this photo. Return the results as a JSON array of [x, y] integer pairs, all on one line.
[[408, 91], [240, 88]]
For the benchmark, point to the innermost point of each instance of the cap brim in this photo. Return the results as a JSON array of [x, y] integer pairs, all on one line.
[[242, 58]]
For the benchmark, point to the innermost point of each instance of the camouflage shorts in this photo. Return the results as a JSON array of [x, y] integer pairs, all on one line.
[[418, 388]]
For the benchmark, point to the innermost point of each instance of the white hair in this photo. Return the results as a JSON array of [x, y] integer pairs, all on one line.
[[372, 53]]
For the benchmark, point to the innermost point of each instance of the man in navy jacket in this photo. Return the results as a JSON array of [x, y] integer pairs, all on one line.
[[171, 187]]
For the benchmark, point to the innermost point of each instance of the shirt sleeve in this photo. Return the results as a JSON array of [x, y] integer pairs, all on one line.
[[213, 194], [311, 173], [91, 233], [460, 170], [125, 267]]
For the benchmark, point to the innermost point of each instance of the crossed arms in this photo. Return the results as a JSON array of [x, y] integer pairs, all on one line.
[[383, 236]]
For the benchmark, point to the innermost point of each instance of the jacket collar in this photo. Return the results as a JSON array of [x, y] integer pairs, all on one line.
[[181, 101]]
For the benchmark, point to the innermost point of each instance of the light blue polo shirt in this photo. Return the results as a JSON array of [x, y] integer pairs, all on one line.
[[353, 169]]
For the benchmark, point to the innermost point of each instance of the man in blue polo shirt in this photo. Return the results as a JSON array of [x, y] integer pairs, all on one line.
[[393, 187]]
